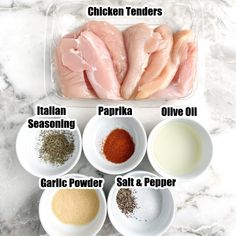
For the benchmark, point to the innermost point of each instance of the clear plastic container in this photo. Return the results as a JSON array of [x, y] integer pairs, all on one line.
[[64, 17]]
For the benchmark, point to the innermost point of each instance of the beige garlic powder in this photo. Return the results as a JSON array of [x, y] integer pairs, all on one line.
[[75, 206]]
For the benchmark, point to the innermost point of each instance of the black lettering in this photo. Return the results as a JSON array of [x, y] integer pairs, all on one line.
[[181, 112], [158, 183], [191, 111], [112, 111], [174, 182], [188, 111], [128, 11], [115, 12], [100, 183], [163, 111], [62, 111], [90, 183], [90, 11], [43, 183], [130, 111], [146, 181], [100, 110], [63, 183], [119, 181], [71, 182], [39, 110], [52, 183], [50, 111], [36, 124], [95, 183], [83, 183], [163, 183], [138, 183], [160, 12], [171, 111], [30, 123], [72, 124]]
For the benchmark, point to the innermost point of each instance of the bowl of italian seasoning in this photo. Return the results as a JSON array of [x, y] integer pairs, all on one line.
[[48, 152]]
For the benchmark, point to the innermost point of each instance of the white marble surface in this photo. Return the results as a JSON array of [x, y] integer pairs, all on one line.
[[205, 206]]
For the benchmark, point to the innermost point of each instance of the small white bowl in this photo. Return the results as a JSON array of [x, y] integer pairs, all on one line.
[[96, 131], [53, 226], [206, 149], [28, 154], [129, 226]]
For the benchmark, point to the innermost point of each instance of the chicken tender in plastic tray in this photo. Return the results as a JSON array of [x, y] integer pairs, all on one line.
[[144, 55]]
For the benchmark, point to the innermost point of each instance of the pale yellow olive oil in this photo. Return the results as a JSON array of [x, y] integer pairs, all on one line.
[[177, 148]]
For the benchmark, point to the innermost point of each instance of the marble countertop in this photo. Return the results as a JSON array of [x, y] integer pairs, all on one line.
[[204, 207]]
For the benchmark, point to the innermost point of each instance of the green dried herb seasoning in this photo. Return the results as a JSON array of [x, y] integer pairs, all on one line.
[[56, 146]]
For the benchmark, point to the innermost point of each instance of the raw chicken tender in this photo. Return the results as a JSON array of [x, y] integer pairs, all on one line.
[[113, 39], [182, 84], [140, 41], [86, 58], [101, 76], [160, 57], [178, 54], [72, 83]]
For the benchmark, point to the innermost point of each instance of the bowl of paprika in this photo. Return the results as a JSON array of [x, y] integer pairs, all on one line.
[[114, 145]]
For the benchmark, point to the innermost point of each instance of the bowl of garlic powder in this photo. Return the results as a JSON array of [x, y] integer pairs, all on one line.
[[72, 211]]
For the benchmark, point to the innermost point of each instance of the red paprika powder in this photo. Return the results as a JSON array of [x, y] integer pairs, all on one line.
[[118, 146]]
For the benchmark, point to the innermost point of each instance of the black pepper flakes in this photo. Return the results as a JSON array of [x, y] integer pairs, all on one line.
[[126, 201]]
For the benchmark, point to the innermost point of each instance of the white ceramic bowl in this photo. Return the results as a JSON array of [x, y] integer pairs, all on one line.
[[54, 227], [128, 226], [96, 131], [28, 154], [206, 149]]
